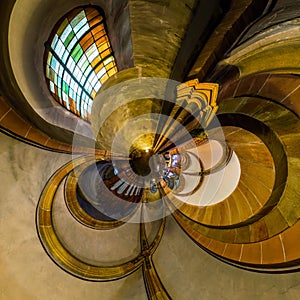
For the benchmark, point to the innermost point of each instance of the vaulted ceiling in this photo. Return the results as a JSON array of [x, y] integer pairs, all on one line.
[[93, 210]]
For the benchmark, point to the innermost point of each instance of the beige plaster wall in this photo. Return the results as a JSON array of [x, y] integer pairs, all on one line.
[[27, 272], [189, 273]]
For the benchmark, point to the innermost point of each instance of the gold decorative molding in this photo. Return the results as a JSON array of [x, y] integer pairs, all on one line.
[[76, 210], [56, 249], [276, 50], [61, 255], [195, 106]]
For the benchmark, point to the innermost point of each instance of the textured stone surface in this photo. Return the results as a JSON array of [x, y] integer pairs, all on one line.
[[188, 272], [119, 31], [156, 37], [26, 270], [235, 20]]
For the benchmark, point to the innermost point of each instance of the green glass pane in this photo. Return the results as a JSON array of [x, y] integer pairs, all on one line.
[[66, 33], [77, 53], [74, 52], [91, 50], [69, 38], [84, 63], [65, 88]]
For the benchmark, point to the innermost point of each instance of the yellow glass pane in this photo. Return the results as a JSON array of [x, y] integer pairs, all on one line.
[[92, 13], [62, 27], [100, 42], [98, 28], [95, 44], [51, 74], [103, 78], [86, 41], [49, 58], [101, 39], [103, 47], [99, 68], [95, 61], [93, 94], [106, 53], [111, 72], [110, 65], [94, 22]]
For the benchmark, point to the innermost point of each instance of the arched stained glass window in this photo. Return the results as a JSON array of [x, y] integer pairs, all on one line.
[[78, 59]]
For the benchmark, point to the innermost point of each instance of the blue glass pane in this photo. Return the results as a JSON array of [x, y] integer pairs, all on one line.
[[59, 48], [101, 73], [71, 65], [61, 70], [52, 89], [88, 70], [65, 33], [77, 73], [79, 26], [82, 31], [72, 43], [65, 56], [72, 69], [54, 42], [83, 62], [77, 18], [55, 64], [97, 86], [92, 52]]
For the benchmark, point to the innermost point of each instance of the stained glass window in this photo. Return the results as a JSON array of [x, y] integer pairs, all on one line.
[[79, 59]]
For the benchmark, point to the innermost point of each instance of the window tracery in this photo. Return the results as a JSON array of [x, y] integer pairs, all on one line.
[[79, 59]]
